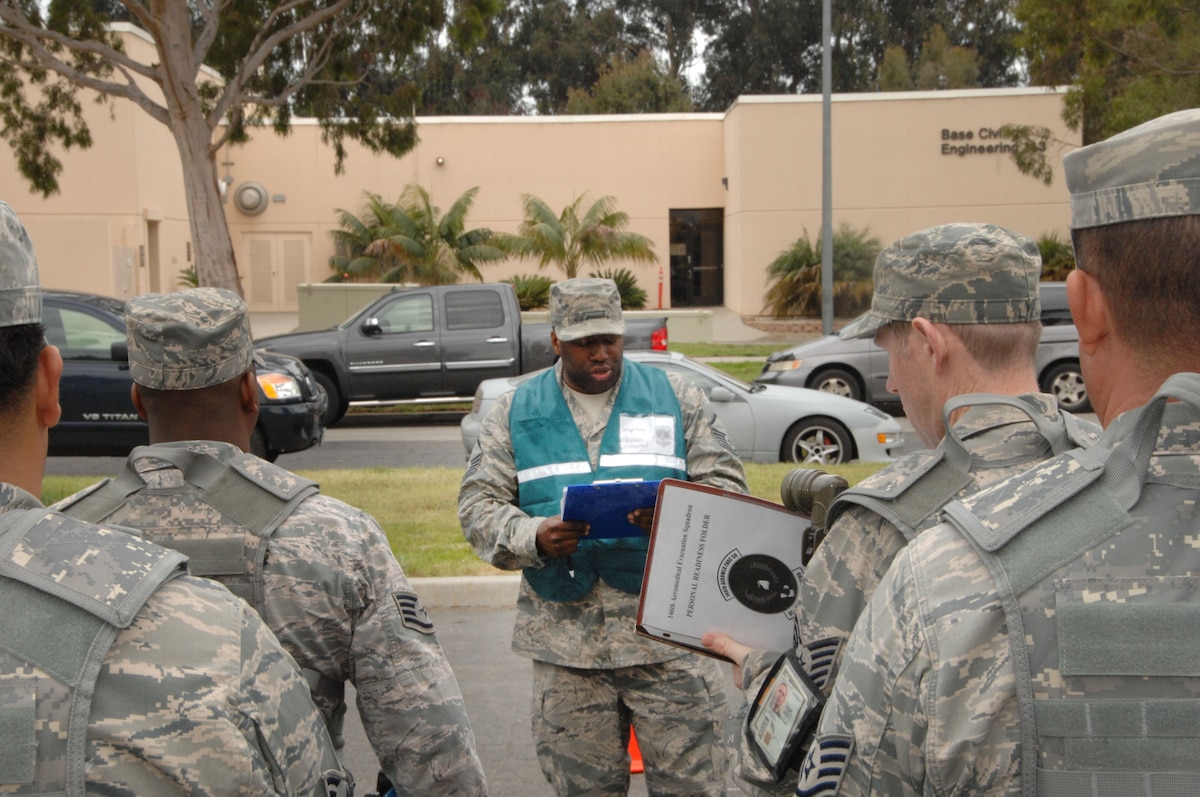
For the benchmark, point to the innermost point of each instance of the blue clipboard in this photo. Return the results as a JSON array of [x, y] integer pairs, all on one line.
[[606, 506]]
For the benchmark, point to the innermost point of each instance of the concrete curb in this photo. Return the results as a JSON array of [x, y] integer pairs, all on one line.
[[447, 592]]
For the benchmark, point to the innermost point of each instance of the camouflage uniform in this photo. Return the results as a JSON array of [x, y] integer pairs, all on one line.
[[848, 565], [329, 585], [974, 274], [1039, 641], [189, 692], [587, 650], [194, 696]]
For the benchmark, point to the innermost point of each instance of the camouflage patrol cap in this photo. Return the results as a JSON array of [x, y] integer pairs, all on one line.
[[1147, 172], [20, 291], [583, 307], [955, 274], [189, 339]]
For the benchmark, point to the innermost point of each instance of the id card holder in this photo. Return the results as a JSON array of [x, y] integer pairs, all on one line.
[[784, 715]]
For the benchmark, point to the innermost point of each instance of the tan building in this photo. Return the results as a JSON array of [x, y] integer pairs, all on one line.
[[720, 194]]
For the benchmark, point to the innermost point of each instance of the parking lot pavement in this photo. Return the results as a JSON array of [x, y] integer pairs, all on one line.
[[495, 683]]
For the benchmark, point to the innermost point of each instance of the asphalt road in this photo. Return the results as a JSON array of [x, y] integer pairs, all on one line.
[[370, 440]]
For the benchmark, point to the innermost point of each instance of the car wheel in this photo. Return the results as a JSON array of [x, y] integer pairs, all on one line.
[[817, 441], [335, 407], [838, 382], [259, 447], [1065, 382]]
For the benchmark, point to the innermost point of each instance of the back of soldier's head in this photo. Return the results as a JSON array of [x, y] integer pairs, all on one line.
[[21, 334], [189, 340], [1135, 223], [980, 280]]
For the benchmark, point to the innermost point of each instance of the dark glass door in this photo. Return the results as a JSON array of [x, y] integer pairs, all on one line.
[[698, 257]]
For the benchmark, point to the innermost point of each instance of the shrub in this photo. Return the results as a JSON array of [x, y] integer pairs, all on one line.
[[533, 290], [1058, 257], [632, 297]]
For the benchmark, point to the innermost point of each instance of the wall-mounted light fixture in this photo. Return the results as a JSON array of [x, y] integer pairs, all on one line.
[[440, 161], [251, 198], [725, 182]]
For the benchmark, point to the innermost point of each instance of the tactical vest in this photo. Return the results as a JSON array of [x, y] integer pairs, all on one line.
[[252, 503], [916, 486], [551, 454], [1096, 565], [58, 627]]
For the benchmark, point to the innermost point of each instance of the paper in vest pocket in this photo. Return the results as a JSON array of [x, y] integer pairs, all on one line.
[[721, 561], [606, 505]]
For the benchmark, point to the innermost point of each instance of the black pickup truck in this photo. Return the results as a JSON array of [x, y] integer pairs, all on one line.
[[432, 344]]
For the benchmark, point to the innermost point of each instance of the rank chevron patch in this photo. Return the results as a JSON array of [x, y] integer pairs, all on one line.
[[824, 766], [412, 613]]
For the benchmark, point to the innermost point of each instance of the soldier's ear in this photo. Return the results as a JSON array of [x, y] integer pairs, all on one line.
[[135, 395], [1088, 309], [248, 392], [49, 372], [928, 339]]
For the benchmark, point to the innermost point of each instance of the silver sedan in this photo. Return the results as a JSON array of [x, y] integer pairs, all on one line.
[[767, 423]]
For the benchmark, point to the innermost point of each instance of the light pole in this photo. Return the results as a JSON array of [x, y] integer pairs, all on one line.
[[826, 170]]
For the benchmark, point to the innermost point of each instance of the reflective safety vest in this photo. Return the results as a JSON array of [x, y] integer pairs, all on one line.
[[59, 623], [252, 498], [915, 487], [551, 454], [1097, 566]]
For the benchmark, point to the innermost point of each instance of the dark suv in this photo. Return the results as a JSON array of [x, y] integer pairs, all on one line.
[[859, 368], [98, 418]]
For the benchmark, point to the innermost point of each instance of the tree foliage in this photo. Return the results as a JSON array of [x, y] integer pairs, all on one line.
[[774, 46], [1125, 62], [638, 86], [794, 276], [337, 60], [411, 241], [576, 237], [940, 65]]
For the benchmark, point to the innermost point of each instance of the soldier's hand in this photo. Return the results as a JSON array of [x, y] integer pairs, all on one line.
[[558, 537], [730, 648], [643, 518]]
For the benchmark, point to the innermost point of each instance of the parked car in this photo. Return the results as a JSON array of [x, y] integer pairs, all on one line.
[[434, 343], [98, 418], [858, 369], [767, 423]]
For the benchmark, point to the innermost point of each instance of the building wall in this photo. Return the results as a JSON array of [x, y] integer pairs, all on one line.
[[119, 225]]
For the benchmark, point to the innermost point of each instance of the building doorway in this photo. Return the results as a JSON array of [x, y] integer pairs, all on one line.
[[698, 257]]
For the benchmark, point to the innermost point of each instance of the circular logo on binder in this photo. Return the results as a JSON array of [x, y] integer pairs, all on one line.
[[763, 583]]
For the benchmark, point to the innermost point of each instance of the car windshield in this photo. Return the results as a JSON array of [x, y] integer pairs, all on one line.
[[712, 375]]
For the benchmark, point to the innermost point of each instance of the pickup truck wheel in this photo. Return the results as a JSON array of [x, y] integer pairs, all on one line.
[[817, 441], [335, 408], [259, 448]]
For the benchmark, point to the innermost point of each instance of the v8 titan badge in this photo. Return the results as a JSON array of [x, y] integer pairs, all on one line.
[[759, 582]]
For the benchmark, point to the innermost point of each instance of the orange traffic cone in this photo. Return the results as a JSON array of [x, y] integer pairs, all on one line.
[[635, 754]]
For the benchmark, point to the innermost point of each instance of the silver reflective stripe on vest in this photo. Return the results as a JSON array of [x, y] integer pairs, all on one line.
[[555, 469], [643, 461]]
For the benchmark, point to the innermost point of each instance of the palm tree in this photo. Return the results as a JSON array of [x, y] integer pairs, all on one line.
[[795, 274], [570, 240], [409, 241]]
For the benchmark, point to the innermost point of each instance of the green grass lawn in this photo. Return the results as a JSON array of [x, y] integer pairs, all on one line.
[[418, 507]]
